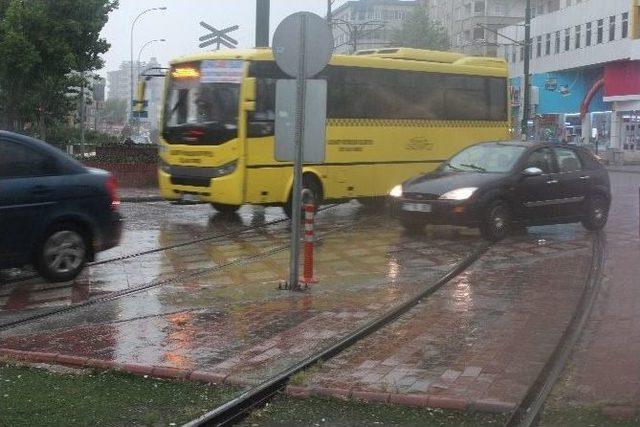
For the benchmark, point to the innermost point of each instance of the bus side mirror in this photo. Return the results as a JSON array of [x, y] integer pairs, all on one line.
[[139, 107], [249, 89]]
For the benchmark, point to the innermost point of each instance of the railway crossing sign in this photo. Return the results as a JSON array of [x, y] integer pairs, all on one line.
[[218, 37]]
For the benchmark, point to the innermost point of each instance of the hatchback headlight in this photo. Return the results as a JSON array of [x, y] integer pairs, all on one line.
[[459, 194], [396, 191]]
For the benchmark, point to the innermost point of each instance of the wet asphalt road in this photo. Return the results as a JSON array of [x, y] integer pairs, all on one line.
[[214, 305]]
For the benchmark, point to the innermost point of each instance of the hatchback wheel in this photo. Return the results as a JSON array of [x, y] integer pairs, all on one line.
[[63, 254], [496, 223], [597, 214]]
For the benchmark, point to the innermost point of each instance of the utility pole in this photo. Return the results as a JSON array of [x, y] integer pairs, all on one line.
[[263, 8], [526, 107], [329, 11], [82, 117]]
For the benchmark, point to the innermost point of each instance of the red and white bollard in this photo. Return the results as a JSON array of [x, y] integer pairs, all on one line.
[[309, 216]]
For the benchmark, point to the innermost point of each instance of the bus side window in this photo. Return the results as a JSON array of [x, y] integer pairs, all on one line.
[[262, 120]]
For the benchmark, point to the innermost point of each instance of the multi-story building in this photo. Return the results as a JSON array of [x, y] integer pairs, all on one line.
[[585, 72], [120, 86], [473, 25], [368, 24]]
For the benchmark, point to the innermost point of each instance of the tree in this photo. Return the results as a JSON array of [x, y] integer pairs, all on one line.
[[41, 43], [419, 31]]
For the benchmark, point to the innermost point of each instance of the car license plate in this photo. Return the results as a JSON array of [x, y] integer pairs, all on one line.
[[416, 207], [191, 198]]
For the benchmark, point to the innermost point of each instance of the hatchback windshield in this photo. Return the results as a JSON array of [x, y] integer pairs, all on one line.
[[489, 158]]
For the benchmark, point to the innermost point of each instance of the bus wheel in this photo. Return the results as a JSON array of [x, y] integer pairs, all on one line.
[[225, 209], [310, 183]]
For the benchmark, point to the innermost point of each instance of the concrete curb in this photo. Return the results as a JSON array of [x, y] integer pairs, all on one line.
[[621, 412], [142, 199], [409, 400]]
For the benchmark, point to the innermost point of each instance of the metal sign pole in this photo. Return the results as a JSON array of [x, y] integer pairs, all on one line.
[[296, 199]]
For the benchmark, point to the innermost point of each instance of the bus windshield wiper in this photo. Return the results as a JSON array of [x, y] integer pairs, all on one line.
[[474, 167]]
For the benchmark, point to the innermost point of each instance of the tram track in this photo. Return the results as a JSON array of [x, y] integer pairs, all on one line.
[[173, 279], [127, 257], [527, 413], [239, 407]]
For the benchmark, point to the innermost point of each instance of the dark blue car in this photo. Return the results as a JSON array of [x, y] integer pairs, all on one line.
[[55, 213]]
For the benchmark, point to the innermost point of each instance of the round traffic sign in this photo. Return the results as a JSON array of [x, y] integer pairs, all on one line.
[[302, 44]]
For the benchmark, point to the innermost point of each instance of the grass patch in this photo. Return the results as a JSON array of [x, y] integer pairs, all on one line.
[[303, 377], [582, 417], [36, 397], [319, 411]]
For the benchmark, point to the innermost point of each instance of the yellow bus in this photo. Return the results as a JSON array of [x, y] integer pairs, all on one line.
[[391, 114]]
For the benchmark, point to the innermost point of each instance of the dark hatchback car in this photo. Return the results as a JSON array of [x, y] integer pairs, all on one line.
[[55, 213], [498, 185]]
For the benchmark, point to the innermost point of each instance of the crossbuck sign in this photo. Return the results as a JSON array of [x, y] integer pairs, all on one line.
[[218, 37]]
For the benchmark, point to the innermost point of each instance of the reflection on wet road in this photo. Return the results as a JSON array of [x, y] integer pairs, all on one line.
[[233, 320]]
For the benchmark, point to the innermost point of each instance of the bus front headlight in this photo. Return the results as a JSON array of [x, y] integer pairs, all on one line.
[[225, 170], [396, 191], [164, 167]]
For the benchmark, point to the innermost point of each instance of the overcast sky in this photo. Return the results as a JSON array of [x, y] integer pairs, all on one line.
[[180, 25]]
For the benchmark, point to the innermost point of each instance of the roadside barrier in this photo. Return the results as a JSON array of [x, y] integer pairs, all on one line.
[[309, 220]]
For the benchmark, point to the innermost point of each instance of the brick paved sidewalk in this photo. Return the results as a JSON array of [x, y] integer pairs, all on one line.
[[605, 368], [480, 342]]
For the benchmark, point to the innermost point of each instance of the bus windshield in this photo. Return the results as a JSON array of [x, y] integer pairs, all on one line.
[[201, 110]]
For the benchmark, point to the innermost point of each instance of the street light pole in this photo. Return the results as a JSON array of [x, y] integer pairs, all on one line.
[[131, 64], [263, 11], [144, 47], [526, 107]]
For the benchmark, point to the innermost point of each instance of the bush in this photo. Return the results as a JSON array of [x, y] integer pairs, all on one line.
[[62, 136]]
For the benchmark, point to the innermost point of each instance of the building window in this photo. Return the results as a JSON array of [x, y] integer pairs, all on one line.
[[612, 28], [589, 34], [553, 5], [478, 33], [557, 47], [578, 36], [547, 44], [538, 46], [625, 25], [567, 39], [479, 7], [600, 36]]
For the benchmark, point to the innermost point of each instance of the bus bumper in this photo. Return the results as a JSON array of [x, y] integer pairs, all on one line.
[[225, 190]]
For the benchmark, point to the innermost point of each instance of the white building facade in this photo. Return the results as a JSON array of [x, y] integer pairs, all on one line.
[[473, 25], [368, 24], [120, 87], [585, 72]]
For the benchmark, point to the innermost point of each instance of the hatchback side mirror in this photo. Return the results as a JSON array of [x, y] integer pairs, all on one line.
[[528, 172]]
